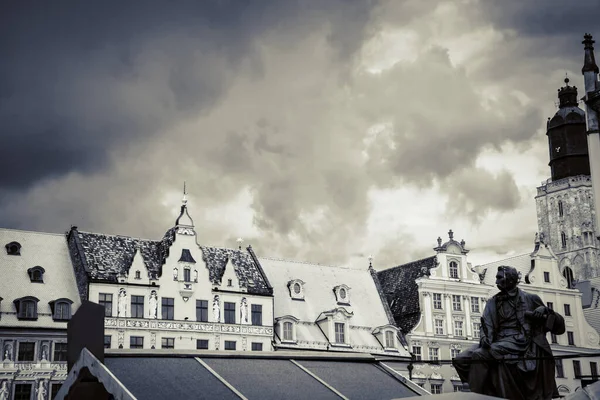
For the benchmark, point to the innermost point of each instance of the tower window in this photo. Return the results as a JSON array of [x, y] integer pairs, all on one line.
[[563, 239], [568, 274], [560, 208], [138, 275]]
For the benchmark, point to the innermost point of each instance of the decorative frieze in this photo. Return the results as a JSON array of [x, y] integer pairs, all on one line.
[[187, 326]]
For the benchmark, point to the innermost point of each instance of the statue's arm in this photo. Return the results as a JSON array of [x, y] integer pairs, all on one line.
[[555, 321]]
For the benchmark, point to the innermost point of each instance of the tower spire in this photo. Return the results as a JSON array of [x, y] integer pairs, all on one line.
[[589, 60], [184, 199]]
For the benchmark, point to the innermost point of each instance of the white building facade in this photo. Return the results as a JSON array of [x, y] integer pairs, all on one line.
[[38, 296], [174, 293]]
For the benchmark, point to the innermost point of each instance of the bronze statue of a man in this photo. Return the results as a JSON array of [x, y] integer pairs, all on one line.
[[513, 359]]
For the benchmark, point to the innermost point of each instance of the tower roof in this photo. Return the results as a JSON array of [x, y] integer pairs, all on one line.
[[589, 61]]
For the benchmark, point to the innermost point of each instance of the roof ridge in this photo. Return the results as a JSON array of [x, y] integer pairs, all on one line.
[[305, 262], [27, 231], [120, 236], [506, 259], [410, 262]]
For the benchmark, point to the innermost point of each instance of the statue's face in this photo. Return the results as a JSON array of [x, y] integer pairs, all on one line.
[[503, 281]]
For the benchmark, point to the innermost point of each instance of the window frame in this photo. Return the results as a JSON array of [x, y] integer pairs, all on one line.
[[107, 342], [390, 341], [437, 301], [441, 326], [61, 309], [256, 346], [136, 339], [339, 333], [456, 302], [546, 277], [36, 274], [560, 369], [137, 307], [167, 343], [18, 394], [475, 306], [30, 350], [229, 312], [288, 331], [230, 345], [202, 308], [60, 350], [256, 314], [200, 343], [453, 270], [418, 354], [571, 338], [567, 308], [22, 306], [167, 311], [459, 328], [108, 304]]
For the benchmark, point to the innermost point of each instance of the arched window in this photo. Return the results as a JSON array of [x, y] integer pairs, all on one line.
[[26, 307], [13, 249], [568, 274], [36, 274], [563, 239], [453, 269], [560, 208], [61, 309]]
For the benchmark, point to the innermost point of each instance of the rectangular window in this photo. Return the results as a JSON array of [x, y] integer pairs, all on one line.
[[339, 333], [107, 341], [546, 276], [105, 300], [202, 310], [551, 305], [456, 304], [553, 338], [167, 343], [439, 326], [436, 388], [571, 338], [453, 270], [22, 391], [434, 354], [256, 346], [62, 311], [475, 304], [137, 306], [576, 368], [568, 310], [454, 353], [26, 351], [202, 344], [288, 333], [229, 313], [55, 387], [256, 314], [594, 369], [168, 308], [417, 352], [60, 352], [230, 345], [560, 372], [136, 342], [458, 328], [437, 301], [187, 276], [476, 330], [389, 340]]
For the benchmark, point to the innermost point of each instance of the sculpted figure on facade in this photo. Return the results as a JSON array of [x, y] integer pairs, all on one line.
[[7, 352], [244, 311], [153, 304], [216, 309], [4, 391], [175, 273], [513, 359], [122, 302], [41, 392]]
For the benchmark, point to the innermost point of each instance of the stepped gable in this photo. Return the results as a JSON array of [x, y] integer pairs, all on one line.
[[402, 292], [245, 268]]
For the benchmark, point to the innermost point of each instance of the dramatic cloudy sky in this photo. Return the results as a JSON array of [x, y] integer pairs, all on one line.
[[322, 131]]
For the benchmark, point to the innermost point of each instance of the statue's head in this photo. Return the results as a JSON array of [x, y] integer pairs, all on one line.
[[507, 278]]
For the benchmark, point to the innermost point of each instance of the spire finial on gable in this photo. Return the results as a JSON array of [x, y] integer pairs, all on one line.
[[451, 234], [240, 241], [184, 199], [370, 260]]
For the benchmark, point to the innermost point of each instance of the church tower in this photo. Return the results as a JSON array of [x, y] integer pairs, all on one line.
[[564, 203]]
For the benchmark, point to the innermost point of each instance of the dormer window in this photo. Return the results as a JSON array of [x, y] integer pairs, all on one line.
[[342, 294], [453, 269], [340, 332], [230, 282], [296, 288], [13, 249], [286, 327], [334, 324], [61, 309], [386, 336], [36, 274], [138, 275], [27, 307]]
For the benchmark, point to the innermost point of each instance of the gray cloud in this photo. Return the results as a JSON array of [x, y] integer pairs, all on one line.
[[264, 97]]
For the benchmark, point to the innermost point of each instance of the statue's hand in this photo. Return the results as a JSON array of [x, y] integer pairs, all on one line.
[[539, 312]]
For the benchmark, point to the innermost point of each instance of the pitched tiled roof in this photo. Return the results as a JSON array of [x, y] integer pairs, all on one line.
[[48, 251], [592, 313], [107, 256], [402, 293]]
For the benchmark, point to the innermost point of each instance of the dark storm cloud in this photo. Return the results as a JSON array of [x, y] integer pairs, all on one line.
[[78, 79]]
